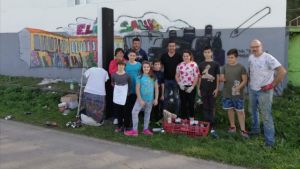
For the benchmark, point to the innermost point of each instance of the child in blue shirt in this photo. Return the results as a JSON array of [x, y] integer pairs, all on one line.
[[146, 85], [132, 68]]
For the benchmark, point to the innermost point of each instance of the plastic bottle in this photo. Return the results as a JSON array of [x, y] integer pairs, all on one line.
[[71, 85], [156, 129]]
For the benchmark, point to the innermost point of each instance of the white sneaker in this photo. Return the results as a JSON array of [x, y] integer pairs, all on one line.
[[115, 122], [199, 101]]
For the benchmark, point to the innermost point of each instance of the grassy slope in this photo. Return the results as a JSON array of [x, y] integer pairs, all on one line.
[[19, 95]]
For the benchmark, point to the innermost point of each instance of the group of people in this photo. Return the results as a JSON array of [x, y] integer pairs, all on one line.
[[143, 86]]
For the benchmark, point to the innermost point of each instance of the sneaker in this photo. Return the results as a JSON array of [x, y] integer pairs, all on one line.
[[131, 133], [232, 130], [147, 132], [269, 145], [245, 134], [115, 122], [214, 134], [101, 123]]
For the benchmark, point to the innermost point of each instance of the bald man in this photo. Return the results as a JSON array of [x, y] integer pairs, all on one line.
[[262, 67]]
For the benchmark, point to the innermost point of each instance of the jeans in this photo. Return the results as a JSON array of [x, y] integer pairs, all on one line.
[[171, 86], [262, 101], [135, 114]]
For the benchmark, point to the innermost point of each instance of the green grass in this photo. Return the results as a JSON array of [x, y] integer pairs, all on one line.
[[20, 94]]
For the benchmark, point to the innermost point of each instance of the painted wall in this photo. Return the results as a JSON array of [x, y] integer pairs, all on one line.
[[11, 64], [47, 49], [193, 24]]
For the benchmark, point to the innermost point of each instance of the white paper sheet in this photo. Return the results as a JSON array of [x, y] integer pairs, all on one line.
[[120, 94]]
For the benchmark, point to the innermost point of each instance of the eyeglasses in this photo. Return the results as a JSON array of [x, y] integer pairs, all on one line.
[[254, 46]]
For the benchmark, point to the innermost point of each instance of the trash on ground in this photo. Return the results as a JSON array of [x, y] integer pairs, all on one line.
[[62, 106], [49, 81], [74, 124], [71, 100], [66, 112], [9, 117], [51, 124]]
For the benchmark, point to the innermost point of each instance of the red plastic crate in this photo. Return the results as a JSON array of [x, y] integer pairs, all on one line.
[[199, 130]]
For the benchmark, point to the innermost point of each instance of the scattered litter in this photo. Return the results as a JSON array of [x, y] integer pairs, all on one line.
[[158, 130], [62, 106], [71, 100], [49, 87], [74, 124], [72, 86], [9, 117], [28, 113], [51, 124], [45, 107], [66, 112], [49, 81]]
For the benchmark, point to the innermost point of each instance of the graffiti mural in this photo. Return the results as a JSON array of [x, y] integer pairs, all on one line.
[[55, 50], [79, 47], [249, 22], [155, 30]]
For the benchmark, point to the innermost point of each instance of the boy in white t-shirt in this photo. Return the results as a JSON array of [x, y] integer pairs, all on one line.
[[94, 96]]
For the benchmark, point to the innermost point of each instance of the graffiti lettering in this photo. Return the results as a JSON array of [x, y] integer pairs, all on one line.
[[86, 29], [244, 52], [147, 24]]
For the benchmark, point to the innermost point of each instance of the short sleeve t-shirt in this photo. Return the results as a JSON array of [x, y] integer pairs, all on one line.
[[133, 70], [96, 81], [170, 64], [188, 72], [159, 76], [262, 70], [120, 80], [209, 72], [233, 75], [146, 87]]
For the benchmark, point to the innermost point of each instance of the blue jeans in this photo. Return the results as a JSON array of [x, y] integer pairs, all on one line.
[[262, 101], [171, 91], [233, 103]]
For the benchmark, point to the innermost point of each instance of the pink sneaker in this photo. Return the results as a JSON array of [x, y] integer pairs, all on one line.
[[147, 132], [131, 133]]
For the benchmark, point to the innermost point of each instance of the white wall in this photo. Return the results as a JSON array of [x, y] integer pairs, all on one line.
[[219, 13], [47, 19], [10, 4]]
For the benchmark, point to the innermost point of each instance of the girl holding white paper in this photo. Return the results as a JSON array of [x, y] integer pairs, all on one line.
[[121, 82]]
